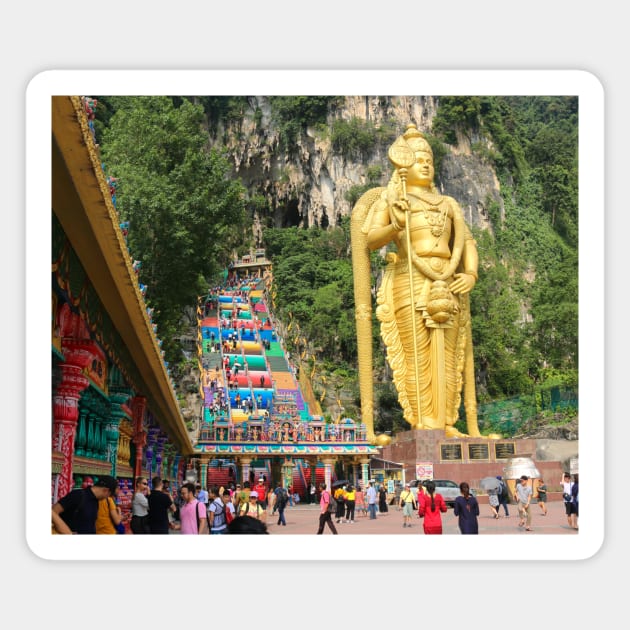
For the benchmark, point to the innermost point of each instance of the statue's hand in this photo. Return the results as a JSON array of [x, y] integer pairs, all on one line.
[[398, 210], [463, 283]]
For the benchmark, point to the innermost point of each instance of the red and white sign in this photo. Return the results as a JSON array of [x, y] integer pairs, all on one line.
[[424, 470]]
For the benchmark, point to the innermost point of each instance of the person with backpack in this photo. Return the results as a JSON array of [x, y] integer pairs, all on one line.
[[504, 497], [192, 513], [282, 498], [76, 512], [253, 508], [216, 512], [326, 504], [340, 497]]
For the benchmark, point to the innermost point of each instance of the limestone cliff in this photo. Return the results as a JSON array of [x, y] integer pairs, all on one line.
[[307, 183]]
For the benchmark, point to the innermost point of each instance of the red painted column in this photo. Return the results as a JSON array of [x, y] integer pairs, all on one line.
[[66, 407], [138, 407]]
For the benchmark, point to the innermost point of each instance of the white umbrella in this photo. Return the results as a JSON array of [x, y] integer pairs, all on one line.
[[489, 484]]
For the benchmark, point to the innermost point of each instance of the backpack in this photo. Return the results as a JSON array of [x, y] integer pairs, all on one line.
[[198, 518], [246, 510], [282, 498], [332, 504], [223, 512]]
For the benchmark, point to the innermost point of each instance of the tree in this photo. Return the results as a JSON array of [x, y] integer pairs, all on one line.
[[185, 214]]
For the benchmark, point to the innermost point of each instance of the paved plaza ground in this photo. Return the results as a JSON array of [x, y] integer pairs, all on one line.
[[304, 519]]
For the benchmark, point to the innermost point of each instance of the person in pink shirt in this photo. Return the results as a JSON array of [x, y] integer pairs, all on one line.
[[325, 516], [192, 512]]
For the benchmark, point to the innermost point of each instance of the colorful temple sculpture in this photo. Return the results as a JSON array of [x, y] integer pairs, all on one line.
[[114, 410]]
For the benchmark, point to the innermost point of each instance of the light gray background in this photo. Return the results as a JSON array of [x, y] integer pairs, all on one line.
[[458, 35]]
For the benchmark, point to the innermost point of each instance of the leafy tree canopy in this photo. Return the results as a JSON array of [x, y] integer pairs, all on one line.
[[186, 215]]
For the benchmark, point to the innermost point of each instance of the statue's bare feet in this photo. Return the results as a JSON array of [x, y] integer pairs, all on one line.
[[451, 432]]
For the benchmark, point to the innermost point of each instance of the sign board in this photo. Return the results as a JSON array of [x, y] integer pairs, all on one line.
[[424, 470], [574, 465], [390, 486]]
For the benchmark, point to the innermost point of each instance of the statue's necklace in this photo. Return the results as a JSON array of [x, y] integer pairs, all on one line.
[[436, 216]]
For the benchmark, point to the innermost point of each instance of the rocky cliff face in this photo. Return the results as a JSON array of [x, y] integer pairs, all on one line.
[[308, 184]]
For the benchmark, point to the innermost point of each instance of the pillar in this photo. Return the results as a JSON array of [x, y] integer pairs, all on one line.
[[138, 407], [328, 468], [365, 472], [204, 472], [245, 464], [287, 473], [117, 398], [66, 409]]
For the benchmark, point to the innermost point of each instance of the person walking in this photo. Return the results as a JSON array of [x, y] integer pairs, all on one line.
[[281, 500], [216, 512], [140, 507], [325, 517], [77, 511], [493, 502], [160, 505], [541, 494], [430, 508], [192, 513], [340, 496], [569, 505], [253, 508], [370, 496], [382, 499], [524, 497], [408, 504], [575, 498], [504, 497], [202, 495], [466, 508], [350, 504], [359, 504], [109, 518]]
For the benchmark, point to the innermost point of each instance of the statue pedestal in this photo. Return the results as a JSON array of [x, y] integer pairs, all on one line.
[[466, 459]]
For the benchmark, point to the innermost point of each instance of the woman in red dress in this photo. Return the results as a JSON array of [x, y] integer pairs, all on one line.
[[430, 507]]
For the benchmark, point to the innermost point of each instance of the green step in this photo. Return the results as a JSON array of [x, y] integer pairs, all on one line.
[[275, 350], [278, 364]]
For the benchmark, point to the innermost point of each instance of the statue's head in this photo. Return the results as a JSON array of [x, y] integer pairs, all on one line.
[[416, 140], [411, 154]]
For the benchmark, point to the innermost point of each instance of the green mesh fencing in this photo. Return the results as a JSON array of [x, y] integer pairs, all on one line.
[[506, 416]]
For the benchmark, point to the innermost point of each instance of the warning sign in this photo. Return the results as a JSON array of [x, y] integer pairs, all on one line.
[[424, 470]]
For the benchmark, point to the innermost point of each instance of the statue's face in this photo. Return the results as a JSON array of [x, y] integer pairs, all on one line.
[[422, 172]]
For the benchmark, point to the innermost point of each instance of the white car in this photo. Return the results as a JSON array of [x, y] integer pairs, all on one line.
[[447, 488]]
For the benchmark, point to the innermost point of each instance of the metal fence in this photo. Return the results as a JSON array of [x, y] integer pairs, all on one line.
[[506, 416]]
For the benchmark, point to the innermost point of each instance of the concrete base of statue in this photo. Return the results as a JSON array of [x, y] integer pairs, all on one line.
[[429, 453]]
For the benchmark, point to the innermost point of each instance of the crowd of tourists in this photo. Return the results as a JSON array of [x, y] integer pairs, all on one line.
[[247, 508]]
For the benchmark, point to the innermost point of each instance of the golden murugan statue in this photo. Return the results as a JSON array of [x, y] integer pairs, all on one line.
[[422, 302]]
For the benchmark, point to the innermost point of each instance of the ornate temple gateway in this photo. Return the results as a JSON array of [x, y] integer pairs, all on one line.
[[256, 421], [115, 411]]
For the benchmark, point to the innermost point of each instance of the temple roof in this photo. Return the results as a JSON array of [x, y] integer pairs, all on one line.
[[83, 205]]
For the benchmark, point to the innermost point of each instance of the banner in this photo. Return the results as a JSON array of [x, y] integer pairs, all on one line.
[[424, 470]]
